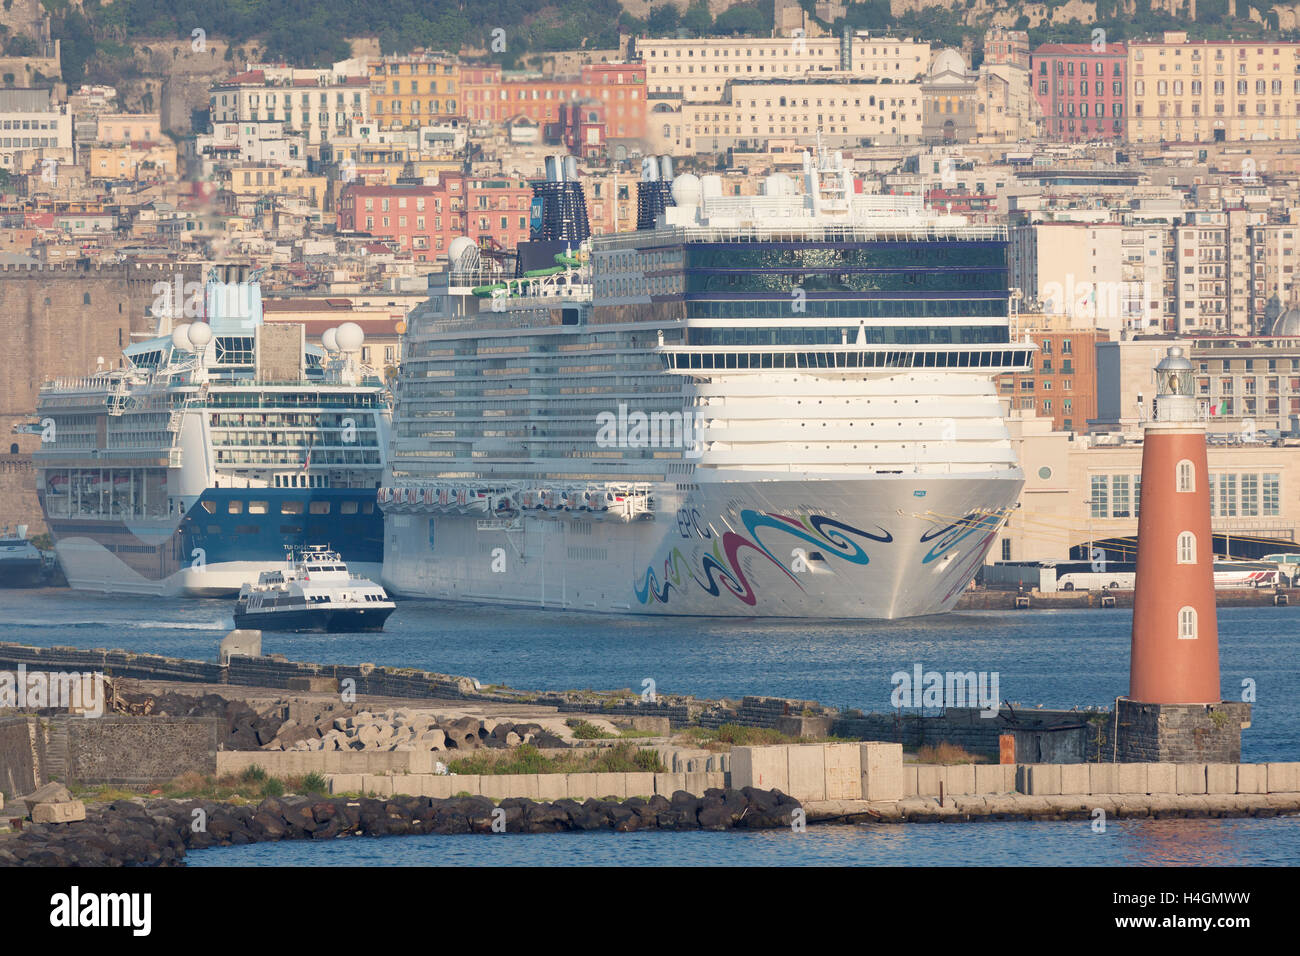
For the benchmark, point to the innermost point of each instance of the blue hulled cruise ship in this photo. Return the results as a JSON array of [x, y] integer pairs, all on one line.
[[218, 444]]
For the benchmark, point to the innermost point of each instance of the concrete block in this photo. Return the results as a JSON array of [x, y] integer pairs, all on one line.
[[378, 784], [804, 726], [990, 778], [68, 812], [1162, 778], [666, 784], [611, 785], [961, 779], [698, 782], [551, 786], [467, 783], [908, 776], [843, 771], [765, 768], [1131, 778], [1074, 778], [345, 782], [883, 775], [582, 785], [639, 784], [1252, 778], [807, 763], [1042, 779], [501, 786], [928, 778], [1283, 777], [1190, 778], [410, 784], [1221, 778], [1103, 778], [442, 786]]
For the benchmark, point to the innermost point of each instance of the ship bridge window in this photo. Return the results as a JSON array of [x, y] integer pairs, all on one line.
[[235, 507], [209, 506], [291, 507], [348, 507], [234, 350], [320, 507], [257, 507], [246, 529], [367, 507]]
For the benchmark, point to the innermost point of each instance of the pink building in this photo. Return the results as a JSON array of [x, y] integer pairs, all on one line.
[[1081, 90]]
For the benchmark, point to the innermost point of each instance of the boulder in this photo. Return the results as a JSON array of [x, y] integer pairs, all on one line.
[[65, 812]]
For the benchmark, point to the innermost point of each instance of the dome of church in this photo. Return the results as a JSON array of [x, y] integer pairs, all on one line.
[[948, 61], [1288, 323]]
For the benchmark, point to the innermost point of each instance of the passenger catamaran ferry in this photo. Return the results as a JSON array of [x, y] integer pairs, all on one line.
[[218, 443], [777, 405]]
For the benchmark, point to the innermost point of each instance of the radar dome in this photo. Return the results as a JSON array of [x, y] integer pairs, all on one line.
[[330, 339], [686, 190], [181, 338], [200, 334], [459, 246], [350, 337]]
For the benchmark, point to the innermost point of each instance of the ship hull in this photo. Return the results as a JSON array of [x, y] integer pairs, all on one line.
[[220, 544], [348, 621], [878, 547], [22, 573]]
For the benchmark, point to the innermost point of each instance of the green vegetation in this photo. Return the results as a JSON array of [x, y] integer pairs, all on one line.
[[735, 735], [250, 786], [620, 758], [584, 730]]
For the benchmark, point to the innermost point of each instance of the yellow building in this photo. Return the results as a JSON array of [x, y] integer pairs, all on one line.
[[127, 162], [1205, 91], [415, 89], [311, 189]]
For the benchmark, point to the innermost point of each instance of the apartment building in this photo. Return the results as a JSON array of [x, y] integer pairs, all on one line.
[[1110, 274], [1081, 90], [415, 89], [1062, 385], [698, 69], [422, 219], [1200, 91], [846, 112], [319, 104]]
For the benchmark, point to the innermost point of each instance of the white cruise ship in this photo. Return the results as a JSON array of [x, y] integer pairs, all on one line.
[[778, 405], [216, 444]]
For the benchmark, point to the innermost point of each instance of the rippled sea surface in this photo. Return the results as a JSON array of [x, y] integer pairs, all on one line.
[[1052, 658], [1245, 842]]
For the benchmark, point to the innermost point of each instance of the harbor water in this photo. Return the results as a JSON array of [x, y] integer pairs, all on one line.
[[1053, 658]]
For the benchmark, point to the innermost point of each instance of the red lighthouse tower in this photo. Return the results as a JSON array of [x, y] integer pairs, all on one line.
[[1175, 651]]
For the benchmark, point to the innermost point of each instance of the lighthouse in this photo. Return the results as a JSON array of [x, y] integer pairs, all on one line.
[[1175, 649]]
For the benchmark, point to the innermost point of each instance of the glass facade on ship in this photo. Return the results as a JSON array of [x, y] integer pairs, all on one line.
[[873, 292]]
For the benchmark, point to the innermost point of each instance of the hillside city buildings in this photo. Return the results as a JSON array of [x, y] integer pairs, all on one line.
[[1150, 190]]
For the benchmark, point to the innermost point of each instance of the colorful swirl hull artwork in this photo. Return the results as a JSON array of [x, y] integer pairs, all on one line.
[[719, 568]]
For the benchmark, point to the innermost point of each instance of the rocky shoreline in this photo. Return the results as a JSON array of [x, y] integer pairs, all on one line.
[[161, 832]]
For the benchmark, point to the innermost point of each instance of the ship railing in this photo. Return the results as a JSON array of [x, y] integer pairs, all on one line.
[[887, 231]]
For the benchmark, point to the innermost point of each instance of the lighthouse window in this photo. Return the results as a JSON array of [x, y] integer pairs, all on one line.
[[1187, 548], [1187, 624], [1186, 476]]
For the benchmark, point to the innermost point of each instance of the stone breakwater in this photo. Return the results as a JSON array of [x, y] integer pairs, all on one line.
[[161, 832]]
